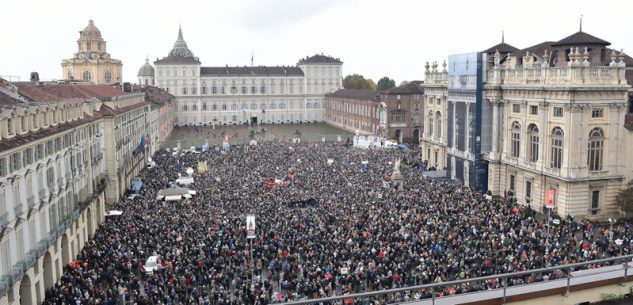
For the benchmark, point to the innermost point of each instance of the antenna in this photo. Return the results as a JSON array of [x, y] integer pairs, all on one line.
[[252, 53], [581, 22], [502, 37]]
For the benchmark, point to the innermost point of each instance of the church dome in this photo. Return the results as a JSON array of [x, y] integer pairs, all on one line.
[[180, 47], [146, 70], [91, 31]]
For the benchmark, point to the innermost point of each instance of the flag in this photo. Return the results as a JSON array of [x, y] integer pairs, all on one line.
[[142, 145]]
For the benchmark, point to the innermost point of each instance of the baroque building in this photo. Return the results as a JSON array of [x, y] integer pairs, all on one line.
[[433, 140], [552, 125], [226, 95], [124, 117], [558, 113], [92, 62], [52, 183]]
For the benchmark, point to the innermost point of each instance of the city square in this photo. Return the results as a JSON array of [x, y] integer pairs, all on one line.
[[260, 152]]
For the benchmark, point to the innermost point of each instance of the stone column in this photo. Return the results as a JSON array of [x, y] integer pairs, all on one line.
[[495, 125]]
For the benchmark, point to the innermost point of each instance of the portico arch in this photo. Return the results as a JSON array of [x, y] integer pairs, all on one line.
[[26, 291]]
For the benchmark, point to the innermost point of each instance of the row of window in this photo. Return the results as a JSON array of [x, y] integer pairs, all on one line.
[[595, 157], [557, 112], [87, 76], [32, 122], [88, 46], [253, 106], [29, 155]]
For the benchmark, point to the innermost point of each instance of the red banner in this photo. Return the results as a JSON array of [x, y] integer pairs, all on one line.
[[550, 198]]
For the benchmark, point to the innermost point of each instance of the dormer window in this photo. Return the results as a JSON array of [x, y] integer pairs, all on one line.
[[34, 121], [23, 124], [9, 126]]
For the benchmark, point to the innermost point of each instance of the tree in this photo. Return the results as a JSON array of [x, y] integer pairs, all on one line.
[[371, 85], [385, 83], [404, 83], [624, 199], [355, 81]]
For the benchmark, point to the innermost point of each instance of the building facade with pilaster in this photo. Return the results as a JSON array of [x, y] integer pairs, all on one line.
[[52, 183]]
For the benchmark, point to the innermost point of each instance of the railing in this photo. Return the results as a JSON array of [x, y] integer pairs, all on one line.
[[436, 288], [552, 76], [42, 246], [19, 209], [31, 202]]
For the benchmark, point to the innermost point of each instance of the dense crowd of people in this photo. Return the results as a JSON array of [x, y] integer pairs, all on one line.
[[333, 225]]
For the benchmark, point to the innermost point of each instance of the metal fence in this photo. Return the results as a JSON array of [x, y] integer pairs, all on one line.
[[433, 291], [197, 142]]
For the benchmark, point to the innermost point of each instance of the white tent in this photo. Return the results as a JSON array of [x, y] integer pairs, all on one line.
[[113, 213], [175, 194]]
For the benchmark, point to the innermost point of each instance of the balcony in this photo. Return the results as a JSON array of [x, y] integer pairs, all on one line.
[[31, 257], [18, 270], [19, 209], [42, 245], [4, 220], [31, 202]]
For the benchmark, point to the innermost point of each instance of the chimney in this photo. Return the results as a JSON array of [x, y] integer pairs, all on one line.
[[35, 77]]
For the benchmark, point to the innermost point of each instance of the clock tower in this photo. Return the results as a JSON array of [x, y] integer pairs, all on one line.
[[91, 62]]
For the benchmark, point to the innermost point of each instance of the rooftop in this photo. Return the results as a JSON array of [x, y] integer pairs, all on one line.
[[358, 94], [580, 38], [410, 88], [64, 92], [252, 71]]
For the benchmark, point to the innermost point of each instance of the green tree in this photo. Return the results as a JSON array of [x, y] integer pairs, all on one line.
[[404, 83], [355, 81], [385, 83], [624, 199]]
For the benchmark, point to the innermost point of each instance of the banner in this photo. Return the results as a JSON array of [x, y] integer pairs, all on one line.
[[550, 198], [250, 226], [202, 167]]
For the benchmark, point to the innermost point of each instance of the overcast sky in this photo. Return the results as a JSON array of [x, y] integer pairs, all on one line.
[[375, 38]]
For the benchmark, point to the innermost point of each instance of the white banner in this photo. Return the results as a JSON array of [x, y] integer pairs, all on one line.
[[250, 226]]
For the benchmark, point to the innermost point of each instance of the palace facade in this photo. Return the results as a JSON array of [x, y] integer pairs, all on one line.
[[224, 95]]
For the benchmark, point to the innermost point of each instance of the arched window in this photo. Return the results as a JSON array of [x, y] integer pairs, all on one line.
[[557, 148], [86, 75], [596, 149], [516, 139], [430, 124], [108, 77], [534, 142], [438, 124]]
